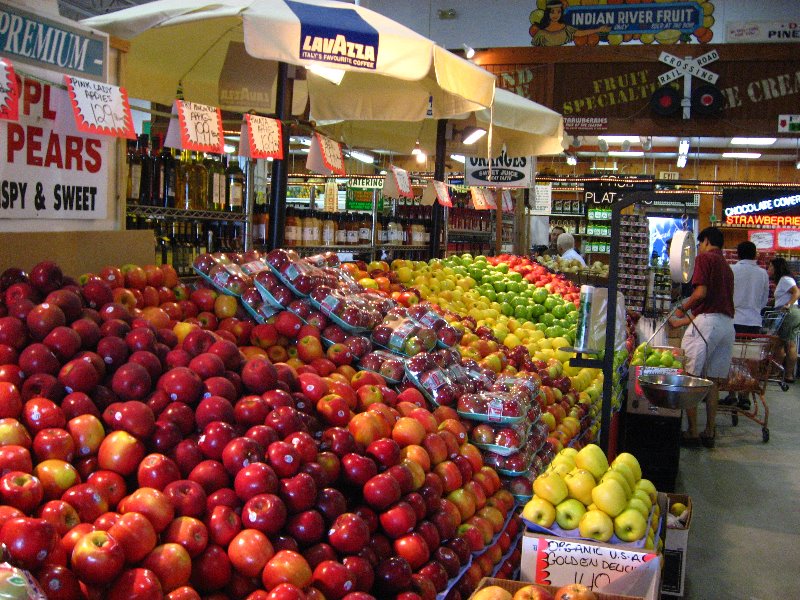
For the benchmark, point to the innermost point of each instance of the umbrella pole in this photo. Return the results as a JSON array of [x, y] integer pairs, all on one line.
[[280, 168], [437, 210]]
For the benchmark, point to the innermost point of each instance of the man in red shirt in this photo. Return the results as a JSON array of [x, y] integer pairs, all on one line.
[[712, 308]]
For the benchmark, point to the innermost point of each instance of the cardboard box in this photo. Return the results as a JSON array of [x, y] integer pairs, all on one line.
[[640, 575], [676, 544], [603, 567]]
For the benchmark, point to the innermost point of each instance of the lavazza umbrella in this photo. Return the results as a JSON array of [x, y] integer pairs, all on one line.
[[236, 54]]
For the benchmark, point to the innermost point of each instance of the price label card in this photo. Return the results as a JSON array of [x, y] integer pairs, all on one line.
[[331, 196], [542, 199], [788, 239], [764, 240], [100, 108], [264, 137], [200, 127], [397, 184], [436, 191], [9, 91], [506, 201], [482, 198], [325, 156]]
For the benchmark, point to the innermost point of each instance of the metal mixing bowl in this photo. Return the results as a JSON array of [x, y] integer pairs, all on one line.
[[673, 390]]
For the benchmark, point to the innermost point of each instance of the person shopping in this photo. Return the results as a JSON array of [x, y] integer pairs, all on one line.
[[566, 248], [786, 295], [708, 341]]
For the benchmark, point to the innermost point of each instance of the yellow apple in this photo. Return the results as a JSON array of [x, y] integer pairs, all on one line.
[[596, 525], [632, 462], [647, 486], [627, 472], [609, 496], [677, 508], [540, 511], [580, 484], [493, 592], [550, 486], [643, 496], [569, 513], [630, 525], [637, 504], [620, 478], [592, 458]]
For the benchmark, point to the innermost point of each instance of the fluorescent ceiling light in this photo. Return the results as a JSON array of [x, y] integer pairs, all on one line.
[[473, 134], [618, 139], [683, 146], [741, 155], [572, 160], [681, 161], [469, 51], [754, 141], [335, 76], [229, 148], [632, 154], [421, 157], [459, 158], [362, 156], [797, 165]]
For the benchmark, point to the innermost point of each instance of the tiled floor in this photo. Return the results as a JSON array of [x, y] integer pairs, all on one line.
[[744, 542]]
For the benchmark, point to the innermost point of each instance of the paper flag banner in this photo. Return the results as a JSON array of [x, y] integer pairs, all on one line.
[[199, 128], [397, 184], [325, 156], [261, 137], [9, 91], [506, 201], [436, 190], [482, 198], [100, 108]]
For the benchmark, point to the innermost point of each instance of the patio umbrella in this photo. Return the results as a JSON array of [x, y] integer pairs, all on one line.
[[235, 54]]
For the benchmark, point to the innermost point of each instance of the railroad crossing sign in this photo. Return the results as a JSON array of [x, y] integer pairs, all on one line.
[[687, 68]]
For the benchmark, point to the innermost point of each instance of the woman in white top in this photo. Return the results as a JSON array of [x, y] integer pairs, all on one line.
[[786, 295]]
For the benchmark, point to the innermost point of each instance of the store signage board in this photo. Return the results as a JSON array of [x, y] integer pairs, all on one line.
[[542, 199], [685, 17], [264, 137], [750, 32], [50, 170], [335, 35], [609, 191], [436, 191], [100, 108], [397, 184], [9, 91], [585, 124], [764, 240], [788, 123], [503, 171], [51, 44], [482, 199], [325, 156], [688, 66], [770, 207], [787, 239]]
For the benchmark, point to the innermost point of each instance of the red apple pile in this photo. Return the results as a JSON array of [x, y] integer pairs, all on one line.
[[142, 454]]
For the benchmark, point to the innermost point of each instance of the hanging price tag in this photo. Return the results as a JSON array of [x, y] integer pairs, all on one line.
[[436, 190], [787, 239], [198, 127], [325, 156], [9, 91], [331, 196], [397, 184], [261, 137], [506, 201], [764, 240], [100, 108], [482, 198]]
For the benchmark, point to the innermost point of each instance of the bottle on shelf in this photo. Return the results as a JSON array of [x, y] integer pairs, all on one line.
[[216, 182], [198, 183], [154, 167], [234, 186], [182, 176], [141, 188], [352, 230], [292, 232], [328, 229], [260, 218], [365, 230], [134, 173], [165, 169]]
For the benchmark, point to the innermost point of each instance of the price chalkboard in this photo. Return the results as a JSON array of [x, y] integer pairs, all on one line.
[[100, 108], [9, 91], [787, 239], [201, 127], [264, 137]]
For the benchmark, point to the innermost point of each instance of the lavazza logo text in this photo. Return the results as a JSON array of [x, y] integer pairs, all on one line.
[[338, 50]]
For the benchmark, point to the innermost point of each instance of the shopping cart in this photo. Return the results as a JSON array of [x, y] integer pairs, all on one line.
[[753, 366]]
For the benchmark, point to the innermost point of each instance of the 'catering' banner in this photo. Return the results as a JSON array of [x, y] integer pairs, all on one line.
[[49, 169]]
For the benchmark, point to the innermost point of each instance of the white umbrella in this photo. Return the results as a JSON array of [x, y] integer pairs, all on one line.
[[224, 54], [521, 126]]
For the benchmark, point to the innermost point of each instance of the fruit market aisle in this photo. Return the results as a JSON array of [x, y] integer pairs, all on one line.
[[745, 530]]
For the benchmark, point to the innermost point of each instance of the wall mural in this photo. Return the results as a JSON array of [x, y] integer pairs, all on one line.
[[614, 22]]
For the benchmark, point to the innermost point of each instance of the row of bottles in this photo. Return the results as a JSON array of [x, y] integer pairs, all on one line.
[[178, 242], [187, 180], [462, 217]]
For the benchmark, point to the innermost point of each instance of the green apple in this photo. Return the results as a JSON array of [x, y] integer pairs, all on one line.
[[596, 525], [579, 485], [592, 458], [647, 486], [638, 504], [540, 511], [569, 513], [630, 525], [609, 496], [620, 478], [627, 472], [550, 486]]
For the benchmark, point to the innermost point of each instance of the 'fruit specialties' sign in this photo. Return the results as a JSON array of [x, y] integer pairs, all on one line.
[[503, 171], [49, 169]]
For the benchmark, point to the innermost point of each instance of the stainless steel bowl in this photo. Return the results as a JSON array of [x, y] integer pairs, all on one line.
[[673, 390]]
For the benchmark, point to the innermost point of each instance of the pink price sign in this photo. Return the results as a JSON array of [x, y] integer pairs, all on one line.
[[100, 108], [9, 91]]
